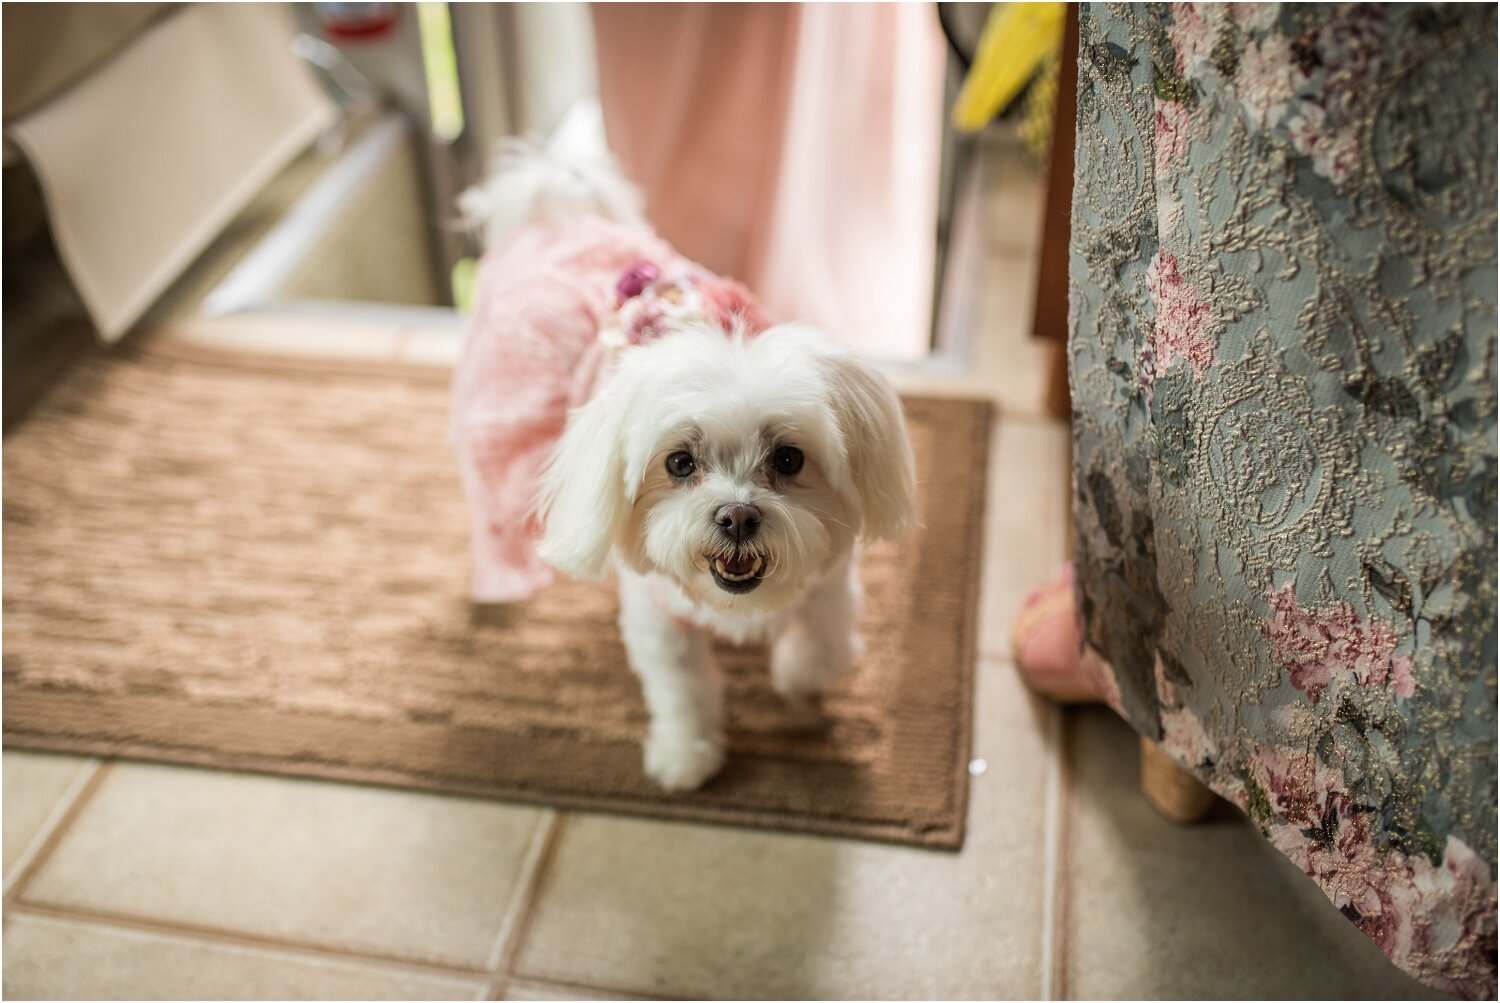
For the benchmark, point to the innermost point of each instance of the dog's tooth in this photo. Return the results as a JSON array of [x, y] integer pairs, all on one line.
[[721, 568]]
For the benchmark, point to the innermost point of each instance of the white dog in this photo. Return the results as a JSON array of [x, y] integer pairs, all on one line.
[[724, 469]]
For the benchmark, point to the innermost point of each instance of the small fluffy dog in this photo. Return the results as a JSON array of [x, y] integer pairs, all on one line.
[[618, 407]]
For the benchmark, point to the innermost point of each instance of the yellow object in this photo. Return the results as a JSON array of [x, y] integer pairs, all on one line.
[[445, 104], [1017, 39], [1039, 111], [465, 280]]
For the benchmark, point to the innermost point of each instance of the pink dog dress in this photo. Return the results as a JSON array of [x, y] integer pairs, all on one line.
[[556, 302]]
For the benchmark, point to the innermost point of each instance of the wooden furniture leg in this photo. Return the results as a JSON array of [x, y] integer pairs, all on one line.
[[1175, 792], [1051, 318]]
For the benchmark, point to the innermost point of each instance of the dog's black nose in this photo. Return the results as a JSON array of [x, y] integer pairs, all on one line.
[[738, 521]]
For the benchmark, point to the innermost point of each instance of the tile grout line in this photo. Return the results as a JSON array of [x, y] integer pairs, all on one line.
[[1061, 901], [69, 806], [1058, 902], [1060, 800], [1051, 836], [518, 911], [72, 804], [234, 938], [579, 989], [508, 945]]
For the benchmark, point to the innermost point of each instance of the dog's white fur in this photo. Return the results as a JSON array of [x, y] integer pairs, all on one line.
[[607, 501]]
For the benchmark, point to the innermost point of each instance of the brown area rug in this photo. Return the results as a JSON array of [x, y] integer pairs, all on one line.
[[260, 564]]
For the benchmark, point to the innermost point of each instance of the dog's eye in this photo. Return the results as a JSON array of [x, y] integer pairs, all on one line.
[[787, 460], [680, 464]]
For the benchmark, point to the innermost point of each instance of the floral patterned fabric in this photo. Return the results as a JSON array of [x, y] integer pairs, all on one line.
[[1283, 363]]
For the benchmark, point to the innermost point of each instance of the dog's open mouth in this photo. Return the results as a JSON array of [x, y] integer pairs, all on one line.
[[737, 573]]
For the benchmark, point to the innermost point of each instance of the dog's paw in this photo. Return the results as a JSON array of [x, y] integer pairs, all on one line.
[[679, 761], [804, 663]]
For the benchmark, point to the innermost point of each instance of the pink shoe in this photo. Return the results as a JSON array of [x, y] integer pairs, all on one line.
[[1045, 643]]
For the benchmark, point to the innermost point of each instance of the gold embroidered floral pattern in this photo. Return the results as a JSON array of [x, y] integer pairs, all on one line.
[[1283, 363]]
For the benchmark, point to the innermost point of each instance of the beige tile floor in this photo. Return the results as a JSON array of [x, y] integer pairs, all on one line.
[[127, 880]]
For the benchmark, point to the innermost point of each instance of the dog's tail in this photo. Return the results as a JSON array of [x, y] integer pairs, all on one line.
[[529, 183]]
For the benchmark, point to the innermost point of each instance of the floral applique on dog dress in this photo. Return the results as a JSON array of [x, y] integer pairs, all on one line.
[[556, 302]]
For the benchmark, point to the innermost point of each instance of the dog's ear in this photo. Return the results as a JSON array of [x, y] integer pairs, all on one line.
[[880, 458], [584, 500]]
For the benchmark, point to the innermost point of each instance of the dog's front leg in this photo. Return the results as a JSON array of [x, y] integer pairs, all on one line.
[[682, 687], [818, 641]]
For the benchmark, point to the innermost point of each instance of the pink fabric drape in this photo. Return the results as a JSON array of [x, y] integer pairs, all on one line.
[[793, 146]]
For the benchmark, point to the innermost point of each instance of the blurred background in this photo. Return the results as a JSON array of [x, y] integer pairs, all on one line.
[[298, 156], [281, 178]]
